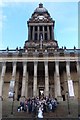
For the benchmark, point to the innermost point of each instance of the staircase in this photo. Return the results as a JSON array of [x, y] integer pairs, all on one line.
[[62, 110]]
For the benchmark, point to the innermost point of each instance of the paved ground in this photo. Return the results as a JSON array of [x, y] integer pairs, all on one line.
[[62, 110]]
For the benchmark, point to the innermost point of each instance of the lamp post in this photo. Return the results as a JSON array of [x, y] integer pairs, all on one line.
[[68, 102], [12, 103]]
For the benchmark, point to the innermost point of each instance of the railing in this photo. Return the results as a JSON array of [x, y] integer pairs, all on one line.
[[40, 53]]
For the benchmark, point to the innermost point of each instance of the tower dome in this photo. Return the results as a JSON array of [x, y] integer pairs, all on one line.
[[40, 9]]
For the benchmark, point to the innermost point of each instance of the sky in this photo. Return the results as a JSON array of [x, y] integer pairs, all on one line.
[[14, 17]]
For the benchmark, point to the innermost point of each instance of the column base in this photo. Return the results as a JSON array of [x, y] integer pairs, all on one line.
[[22, 98], [46, 94], [59, 98]]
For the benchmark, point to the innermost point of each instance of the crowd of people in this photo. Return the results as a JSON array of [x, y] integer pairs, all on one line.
[[38, 106]]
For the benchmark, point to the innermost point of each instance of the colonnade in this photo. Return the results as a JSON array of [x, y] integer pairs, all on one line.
[[24, 92], [46, 32]]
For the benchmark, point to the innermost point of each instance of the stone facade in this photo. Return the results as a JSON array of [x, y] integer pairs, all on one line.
[[41, 67]]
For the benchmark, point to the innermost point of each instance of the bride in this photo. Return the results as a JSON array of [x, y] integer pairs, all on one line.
[[40, 113]]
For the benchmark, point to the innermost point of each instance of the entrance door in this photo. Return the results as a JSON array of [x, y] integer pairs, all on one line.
[[41, 92]]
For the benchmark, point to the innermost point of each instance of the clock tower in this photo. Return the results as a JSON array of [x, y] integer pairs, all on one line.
[[41, 30]]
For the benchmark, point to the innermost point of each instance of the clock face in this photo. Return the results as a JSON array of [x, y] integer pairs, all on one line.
[[41, 17]]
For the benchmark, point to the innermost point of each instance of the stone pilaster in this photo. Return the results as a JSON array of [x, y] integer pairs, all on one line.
[[46, 79], [35, 80], [24, 79], [2, 78]]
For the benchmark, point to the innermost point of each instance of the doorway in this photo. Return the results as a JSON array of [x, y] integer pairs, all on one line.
[[41, 92]]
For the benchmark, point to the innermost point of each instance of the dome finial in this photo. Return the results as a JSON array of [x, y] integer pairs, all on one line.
[[40, 5]]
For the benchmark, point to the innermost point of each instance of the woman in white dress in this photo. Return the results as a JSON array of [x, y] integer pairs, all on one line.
[[40, 113]]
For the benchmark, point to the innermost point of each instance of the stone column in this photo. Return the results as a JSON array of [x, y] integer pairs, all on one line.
[[24, 79], [57, 86], [38, 32], [14, 71], [14, 74], [2, 78], [48, 32], [46, 79], [35, 80], [33, 33], [78, 74], [68, 70], [43, 32], [78, 69], [26, 90]]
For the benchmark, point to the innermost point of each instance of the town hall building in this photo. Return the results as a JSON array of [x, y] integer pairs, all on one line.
[[40, 68]]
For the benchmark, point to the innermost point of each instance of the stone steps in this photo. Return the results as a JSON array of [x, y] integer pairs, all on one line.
[[61, 111]]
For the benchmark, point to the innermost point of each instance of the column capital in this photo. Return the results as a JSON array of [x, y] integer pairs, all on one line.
[[14, 62], [46, 62], [24, 63], [35, 62], [3, 63]]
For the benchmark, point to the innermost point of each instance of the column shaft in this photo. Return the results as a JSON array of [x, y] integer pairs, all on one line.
[[2, 78], [48, 32], [46, 79], [68, 70], [14, 71], [13, 76], [78, 74], [26, 91], [35, 80], [24, 79], [57, 80]]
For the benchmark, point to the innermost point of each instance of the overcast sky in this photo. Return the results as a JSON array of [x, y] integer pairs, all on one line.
[[14, 17]]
